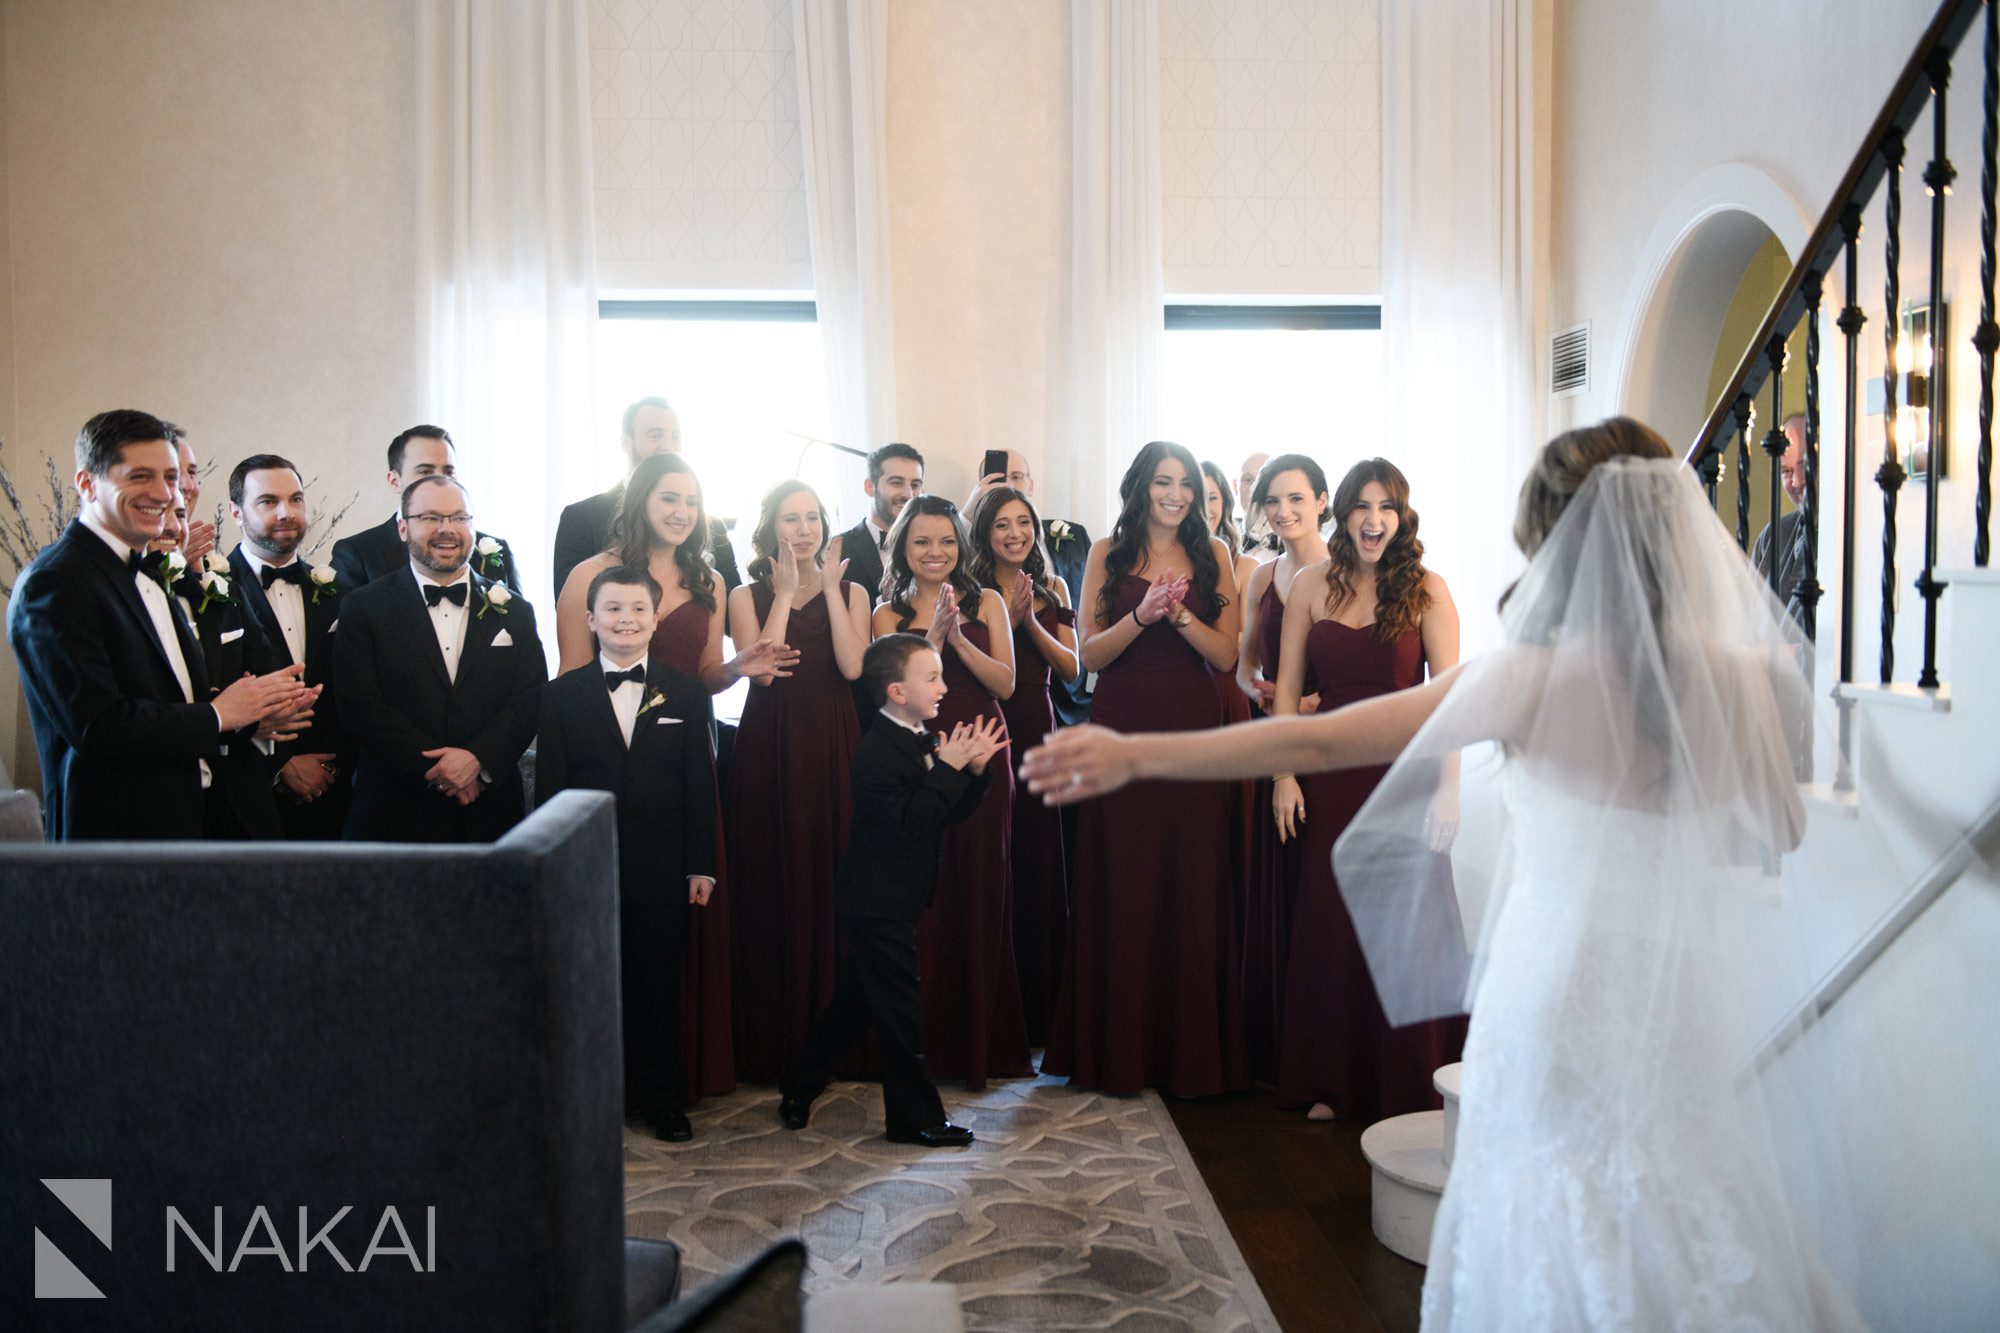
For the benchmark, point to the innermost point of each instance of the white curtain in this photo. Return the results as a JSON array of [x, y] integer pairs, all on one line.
[[1465, 165], [842, 57], [1117, 296], [506, 280]]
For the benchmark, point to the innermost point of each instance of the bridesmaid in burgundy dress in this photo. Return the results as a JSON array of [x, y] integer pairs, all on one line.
[[973, 1027], [1150, 993], [1368, 621], [662, 527], [787, 799], [1009, 556], [1290, 492]]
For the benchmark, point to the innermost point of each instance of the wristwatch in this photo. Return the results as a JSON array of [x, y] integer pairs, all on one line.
[[1181, 620]]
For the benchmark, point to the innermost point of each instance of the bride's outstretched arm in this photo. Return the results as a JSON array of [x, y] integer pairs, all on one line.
[[1080, 762]]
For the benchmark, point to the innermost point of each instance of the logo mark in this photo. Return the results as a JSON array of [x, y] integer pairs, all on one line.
[[56, 1278]]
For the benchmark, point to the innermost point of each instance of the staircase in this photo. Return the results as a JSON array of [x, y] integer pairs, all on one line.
[[1410, 1156]]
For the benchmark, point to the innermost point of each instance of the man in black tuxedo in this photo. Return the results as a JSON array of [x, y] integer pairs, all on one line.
[[420, 451], [438, 673], [125, 723], [232, 646], [907, 788], [630, 725], [895, 474], [296, 607], [584, 529], [1069, 548]]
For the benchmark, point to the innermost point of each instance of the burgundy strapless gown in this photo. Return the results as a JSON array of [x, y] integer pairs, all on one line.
[[789, 804], [1273, 880], [707, 1036], [973, 1029], [1150, 993], [1335, 1046], [1041, 881]]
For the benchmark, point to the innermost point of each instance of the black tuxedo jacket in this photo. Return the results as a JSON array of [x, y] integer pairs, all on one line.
[[233, 646], [1071, 554], [665, 783], [322, 819], [864, 565], [584, 530], [396, 701], [118, 744], [370, 555], [900, 812]]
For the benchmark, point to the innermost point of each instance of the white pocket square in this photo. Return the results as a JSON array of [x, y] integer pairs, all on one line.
[[231, 635], [503, 640], [334, 626], [663, 721]]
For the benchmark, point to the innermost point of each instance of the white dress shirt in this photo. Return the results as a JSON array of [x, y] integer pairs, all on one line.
[[161, 611], [447, 619], [911, 726], [288, 603], [626, 698]]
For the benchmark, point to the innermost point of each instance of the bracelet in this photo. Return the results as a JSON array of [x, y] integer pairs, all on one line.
[[1140, 623]]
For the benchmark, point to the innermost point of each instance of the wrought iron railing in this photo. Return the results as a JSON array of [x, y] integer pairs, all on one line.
[[1878, 167]]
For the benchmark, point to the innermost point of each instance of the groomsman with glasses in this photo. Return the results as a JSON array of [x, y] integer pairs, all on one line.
[[420, 451], [438, 673], [127, 727]]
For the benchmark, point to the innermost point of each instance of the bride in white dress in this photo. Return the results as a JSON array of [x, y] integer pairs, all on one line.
[[1614, 1169]]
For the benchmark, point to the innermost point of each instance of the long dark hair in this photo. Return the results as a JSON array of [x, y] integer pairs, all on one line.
[[1277, 467], [899, 580], [764, 541], [1400, 596], [633, 539], [1225, 527], [1035, 568], [1128, 534]]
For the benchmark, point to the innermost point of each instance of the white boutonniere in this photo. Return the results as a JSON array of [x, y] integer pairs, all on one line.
[[168, 570], [1059, 533], [493, 597], [487, 552], [214, 588], [655, 700], [322, 577], [216, 564]]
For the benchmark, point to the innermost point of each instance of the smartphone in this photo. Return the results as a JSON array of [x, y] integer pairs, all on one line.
[[995, 461]]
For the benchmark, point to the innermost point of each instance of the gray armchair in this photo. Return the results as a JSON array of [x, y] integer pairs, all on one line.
[[246, 1039]]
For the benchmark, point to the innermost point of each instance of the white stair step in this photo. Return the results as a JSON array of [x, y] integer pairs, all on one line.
[[1900, 695], [1406, 1154], [1446, 1081]]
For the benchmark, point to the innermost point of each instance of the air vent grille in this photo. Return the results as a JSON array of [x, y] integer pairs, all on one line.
[[1569, 361]]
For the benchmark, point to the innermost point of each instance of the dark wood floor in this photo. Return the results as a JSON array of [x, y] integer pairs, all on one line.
[[1295, 1195]]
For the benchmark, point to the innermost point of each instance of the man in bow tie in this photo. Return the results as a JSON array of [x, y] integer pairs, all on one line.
[[438, 675], [297, 610], [895, 477], [419, 452], [628, 724], [126, 726]]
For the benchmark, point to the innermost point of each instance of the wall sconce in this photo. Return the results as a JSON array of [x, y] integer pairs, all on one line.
[[1920, 374]]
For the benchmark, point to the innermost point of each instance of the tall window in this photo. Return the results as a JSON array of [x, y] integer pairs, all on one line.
[[746, 379], [1240, 380]]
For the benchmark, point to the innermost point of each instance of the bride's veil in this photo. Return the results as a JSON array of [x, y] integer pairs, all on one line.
[[1630, 914]]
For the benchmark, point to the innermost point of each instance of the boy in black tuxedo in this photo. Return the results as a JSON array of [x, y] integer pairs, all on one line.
[[631, 726], [907, 787]]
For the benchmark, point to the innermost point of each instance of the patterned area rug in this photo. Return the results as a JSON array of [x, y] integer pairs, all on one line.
[[1072, 1211]]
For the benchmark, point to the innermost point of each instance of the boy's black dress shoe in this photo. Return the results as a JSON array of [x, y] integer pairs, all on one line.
[[672, 1126], [795, 1111], [944, 1135]]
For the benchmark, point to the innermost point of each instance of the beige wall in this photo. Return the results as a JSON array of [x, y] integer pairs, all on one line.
[[208, 213], [979, 158]]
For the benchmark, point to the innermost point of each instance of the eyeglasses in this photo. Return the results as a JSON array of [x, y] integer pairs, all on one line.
[[434, 520]]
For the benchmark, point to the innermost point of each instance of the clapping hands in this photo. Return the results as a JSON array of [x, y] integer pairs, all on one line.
[[1163, 599], [944, 618], [971, 744], [836, 565], [765, 661], [785, 574], [1021, 601]]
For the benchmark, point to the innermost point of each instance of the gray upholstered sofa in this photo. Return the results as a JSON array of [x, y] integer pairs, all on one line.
[[426, 1037]]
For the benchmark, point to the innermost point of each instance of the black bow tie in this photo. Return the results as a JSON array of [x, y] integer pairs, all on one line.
[[292, 573], [152, 562], [637, 676], [455, 594]]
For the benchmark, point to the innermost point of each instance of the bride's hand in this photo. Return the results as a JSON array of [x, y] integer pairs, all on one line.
[[1441, 819], [1077, 763]]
